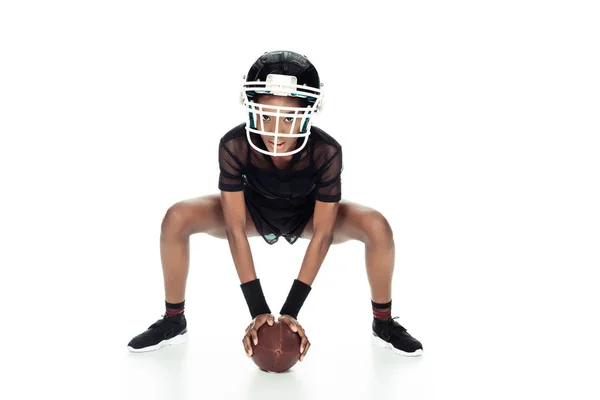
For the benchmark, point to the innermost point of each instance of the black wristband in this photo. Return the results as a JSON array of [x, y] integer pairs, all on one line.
[[298, 293], [255, 298]]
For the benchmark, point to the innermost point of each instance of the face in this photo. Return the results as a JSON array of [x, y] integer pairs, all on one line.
[[268, 122]]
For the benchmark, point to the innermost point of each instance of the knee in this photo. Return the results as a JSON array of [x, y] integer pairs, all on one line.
[[175, 220], [377, 229]]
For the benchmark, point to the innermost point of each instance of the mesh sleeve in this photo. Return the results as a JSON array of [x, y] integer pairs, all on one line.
[[231, 166], [329, 182]]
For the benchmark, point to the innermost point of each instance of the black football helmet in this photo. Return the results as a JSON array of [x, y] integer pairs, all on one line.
[[281, 73]]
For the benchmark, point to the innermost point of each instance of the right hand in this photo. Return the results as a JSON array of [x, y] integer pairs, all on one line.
[[252, 329]]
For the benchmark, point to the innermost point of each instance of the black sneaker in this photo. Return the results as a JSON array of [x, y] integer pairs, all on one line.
[[389, 333], [165, 331]]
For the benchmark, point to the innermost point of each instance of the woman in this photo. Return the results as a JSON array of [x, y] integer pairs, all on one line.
[[279, 177]]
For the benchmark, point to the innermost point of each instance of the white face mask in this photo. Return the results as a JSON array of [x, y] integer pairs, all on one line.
[[280, 85]]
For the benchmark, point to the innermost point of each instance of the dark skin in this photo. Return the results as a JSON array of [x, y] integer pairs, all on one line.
[[268, 124], [225, 216], [209, 214], [260, 320]]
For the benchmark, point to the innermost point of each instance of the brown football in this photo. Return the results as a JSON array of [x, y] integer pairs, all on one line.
[[278, 348]]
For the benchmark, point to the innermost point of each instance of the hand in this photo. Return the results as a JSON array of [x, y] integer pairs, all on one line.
[[252, 329], [296, 327]]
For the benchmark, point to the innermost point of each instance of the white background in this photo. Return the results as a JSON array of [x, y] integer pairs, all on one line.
[[473, 126]]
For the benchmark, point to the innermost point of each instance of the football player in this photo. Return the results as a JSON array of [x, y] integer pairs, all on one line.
[[280, 176]]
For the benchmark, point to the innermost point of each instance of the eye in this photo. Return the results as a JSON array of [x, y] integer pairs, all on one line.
[[266, 118], [289, 119]]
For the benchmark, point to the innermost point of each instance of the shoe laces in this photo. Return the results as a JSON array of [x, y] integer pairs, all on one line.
[[160, 322], [395, 324]]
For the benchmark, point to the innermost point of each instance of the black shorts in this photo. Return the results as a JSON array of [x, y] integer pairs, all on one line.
[[274, 218]]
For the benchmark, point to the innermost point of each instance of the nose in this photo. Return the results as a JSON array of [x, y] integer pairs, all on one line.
[[280, 127]]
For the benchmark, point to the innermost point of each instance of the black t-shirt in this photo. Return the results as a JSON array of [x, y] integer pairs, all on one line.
[[283, 199]]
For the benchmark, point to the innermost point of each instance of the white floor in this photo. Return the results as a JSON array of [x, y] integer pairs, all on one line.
[[494, 342], [473, 126]]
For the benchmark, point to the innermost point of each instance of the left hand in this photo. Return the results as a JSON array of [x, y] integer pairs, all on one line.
[[296, 327]]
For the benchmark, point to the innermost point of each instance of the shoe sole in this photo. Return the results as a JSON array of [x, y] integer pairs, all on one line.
[[378, 342], [179, 339]]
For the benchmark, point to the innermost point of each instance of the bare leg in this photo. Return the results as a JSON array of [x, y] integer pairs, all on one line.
[[183, 219], [357, 222], [379, 258]]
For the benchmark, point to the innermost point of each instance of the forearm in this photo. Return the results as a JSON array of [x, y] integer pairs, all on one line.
[[313, 259], [315, 254], [242, 255]]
